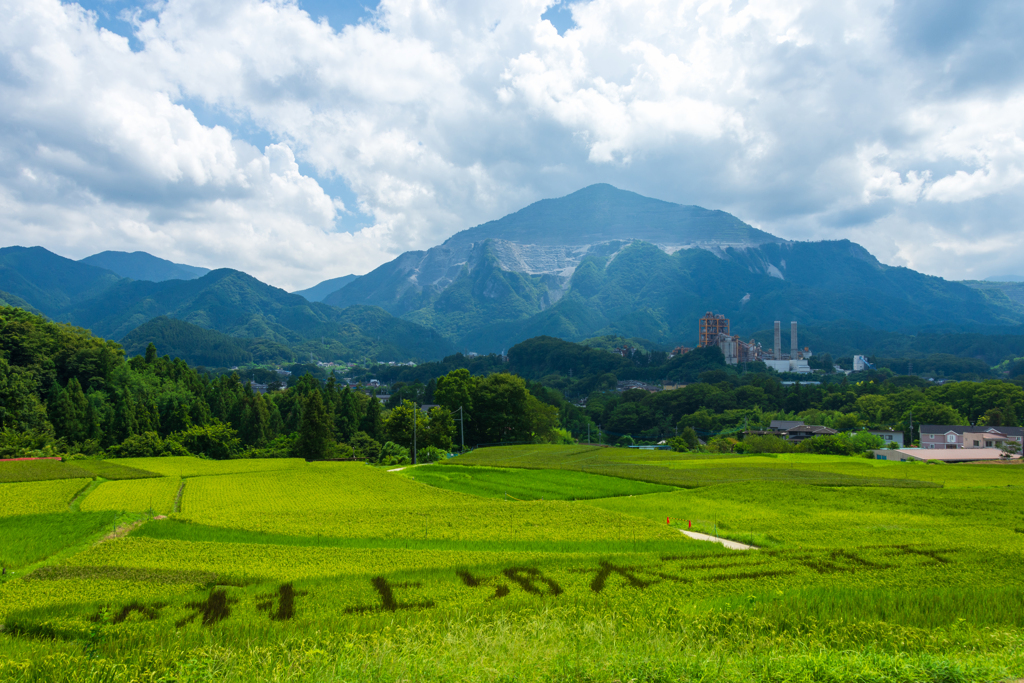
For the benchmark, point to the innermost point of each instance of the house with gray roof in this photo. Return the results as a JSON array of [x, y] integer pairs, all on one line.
[[949, 437]]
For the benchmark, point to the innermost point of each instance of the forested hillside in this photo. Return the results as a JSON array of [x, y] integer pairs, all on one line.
[[225, 301], [64, 391], [198, 346]]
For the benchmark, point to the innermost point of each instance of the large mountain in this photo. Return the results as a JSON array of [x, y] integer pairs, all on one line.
[[50, 282], [225, 301], [321, 291], [138, 265], [602, 213], [605, 261]]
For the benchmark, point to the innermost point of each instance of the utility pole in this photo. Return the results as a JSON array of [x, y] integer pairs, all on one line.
[[414, 416], [588, 431], [911, 428], [462, 430]]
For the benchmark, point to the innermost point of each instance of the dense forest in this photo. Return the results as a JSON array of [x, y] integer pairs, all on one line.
[[718, 398], [66, 392]]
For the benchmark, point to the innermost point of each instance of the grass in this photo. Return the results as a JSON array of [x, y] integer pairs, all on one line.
[[810, 516], [198, 467], [358, 501], [38, 496], [340, 571], [46, 470], [39, 470], [154, 496], [493, 482], [174, 530], [113, 469], [31, 538], [682, 470]]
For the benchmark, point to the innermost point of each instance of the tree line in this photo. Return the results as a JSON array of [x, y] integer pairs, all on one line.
[[65, 391], [582, 383]]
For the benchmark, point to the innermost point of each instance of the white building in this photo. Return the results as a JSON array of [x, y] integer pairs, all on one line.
[[800, 366]]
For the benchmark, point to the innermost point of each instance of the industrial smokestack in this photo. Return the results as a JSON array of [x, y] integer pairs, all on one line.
[[778, 340], [792, 340]]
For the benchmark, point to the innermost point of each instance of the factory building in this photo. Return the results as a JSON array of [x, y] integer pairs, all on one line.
[[714, 331]]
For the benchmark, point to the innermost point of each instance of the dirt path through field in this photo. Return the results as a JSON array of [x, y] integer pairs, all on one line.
[[732, 545], [122, 530]]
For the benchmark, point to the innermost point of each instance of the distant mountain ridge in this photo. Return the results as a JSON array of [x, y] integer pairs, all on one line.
[[225, 301], [50, 282], [603, 261], [577, 267], [327, 287], [138, 265]]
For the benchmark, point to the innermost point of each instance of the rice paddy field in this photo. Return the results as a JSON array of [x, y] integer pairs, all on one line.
[[522, 563]]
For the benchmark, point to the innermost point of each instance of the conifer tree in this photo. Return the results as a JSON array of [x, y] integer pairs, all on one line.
[[69, 412], [315, 429], [346, 420], [179, 420], [151, 353], [373, 421], [199, 412], [255, 424], [126, 422]]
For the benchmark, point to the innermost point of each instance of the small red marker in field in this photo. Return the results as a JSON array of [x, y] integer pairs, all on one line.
[[689, 524], [667, 521]]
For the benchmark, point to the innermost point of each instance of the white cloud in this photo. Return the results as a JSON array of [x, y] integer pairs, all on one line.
[[810, 119]]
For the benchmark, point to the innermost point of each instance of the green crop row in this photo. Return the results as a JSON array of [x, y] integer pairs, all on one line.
[[356, 501], [155, 496], [30, 538], [197, 467], [525, 484], [39, 470], [44, 470], [38, 496]]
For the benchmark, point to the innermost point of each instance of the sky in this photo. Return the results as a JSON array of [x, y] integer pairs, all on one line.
[[304, 140]]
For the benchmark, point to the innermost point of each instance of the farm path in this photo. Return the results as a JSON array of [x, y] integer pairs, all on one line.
[[124, 530], [732, 545]]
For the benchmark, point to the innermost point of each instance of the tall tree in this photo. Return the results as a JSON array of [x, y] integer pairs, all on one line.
[[254, 429], [398, 425], [373, 419], [70, 413], [315, 429], [455, 390], [500, 410], [439, 430], [126, 420], [346, 416]]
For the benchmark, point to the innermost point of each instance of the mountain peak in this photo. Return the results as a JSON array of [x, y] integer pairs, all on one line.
[[139, 265], [603, 213]]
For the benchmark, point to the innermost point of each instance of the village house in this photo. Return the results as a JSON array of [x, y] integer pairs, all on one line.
[[796, 431], [965, 436]]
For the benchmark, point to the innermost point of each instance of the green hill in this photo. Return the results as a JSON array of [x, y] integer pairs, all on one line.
[[224, 301], [138, 265], [50, 282], [198, 346]]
